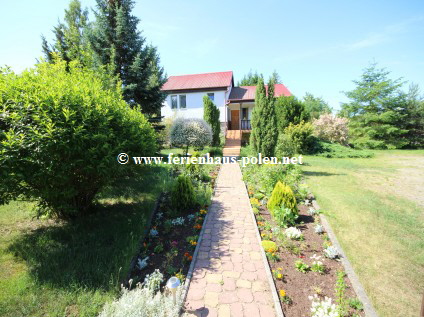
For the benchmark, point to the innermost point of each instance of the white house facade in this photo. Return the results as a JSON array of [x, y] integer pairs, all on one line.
[[185, 98]]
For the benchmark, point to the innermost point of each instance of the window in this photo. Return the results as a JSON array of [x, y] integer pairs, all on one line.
[[245, 115], [183, 104], [174, 104], [211, 96]]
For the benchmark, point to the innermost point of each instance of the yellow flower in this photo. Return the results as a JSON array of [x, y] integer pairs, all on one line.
[[280, 269], [282, 293], [279, 275]]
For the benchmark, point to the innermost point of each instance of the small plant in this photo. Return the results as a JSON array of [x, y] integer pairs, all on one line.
[[255, 202], [282, 196], [285, 216], [187, 257], [323, 308], [340, 294], [158, 248], [153, 232], [331, 252], [293, 233], [301, 266], [317, 290], [171, 270], [269, 246], [318, 266], [272, 256], [284, 297], [319, 228], [177, 221], [192, 240], [355, 304], [180, 276], [278, 275], [313, 211], [266, 235], [255, 210]]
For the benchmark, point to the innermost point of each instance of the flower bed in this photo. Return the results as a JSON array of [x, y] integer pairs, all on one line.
[[172, 238], [305, 266]]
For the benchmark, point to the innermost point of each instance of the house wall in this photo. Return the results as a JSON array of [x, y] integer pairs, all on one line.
[[194, 102]]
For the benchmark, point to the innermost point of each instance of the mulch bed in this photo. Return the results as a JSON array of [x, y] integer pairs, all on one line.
[[297, 285], [176, 256]]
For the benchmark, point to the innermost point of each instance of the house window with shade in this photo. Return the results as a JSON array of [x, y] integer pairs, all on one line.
[[211, 96], [183, 104], [174, 102]]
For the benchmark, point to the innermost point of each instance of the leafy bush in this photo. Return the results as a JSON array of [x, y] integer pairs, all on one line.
[[60, 131], [334, 150], [182, 194], [297, 138], [331, 128], [285, 216], [282, 196], [190, 132], [145, 300]]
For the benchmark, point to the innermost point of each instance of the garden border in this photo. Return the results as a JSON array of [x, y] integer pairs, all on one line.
[[357, 286], [277, 304]]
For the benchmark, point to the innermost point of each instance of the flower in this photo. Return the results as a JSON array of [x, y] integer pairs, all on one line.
[[197, 226], [174, 243], [282, 293], [203, 212], [279, 275]]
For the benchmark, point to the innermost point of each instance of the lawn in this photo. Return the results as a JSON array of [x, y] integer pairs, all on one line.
[[375, 207], [52, 268]]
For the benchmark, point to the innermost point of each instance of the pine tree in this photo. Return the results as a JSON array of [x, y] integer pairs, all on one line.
[[251, 79], [211, 115], [118, 45], [376, 111], [289, 110], [70, 41]]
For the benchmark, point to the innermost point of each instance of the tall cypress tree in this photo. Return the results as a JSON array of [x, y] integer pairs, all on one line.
[[118, 44], [70, 42], [211, 116], [257, 121], [269, 132]]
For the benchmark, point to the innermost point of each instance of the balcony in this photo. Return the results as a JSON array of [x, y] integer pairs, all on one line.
[[245, 125]]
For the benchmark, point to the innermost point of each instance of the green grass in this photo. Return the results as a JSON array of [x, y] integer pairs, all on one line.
[[72, 268], [372, 206]]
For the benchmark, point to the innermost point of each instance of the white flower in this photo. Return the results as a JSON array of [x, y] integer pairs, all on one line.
[[293, 233], [324, 308], [177, 221], [331, 252]]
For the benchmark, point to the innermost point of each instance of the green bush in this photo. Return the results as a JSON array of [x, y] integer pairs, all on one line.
[[285, 217], [269, 246], [282, 196], [334, 150], [296, 139], [211, 116], [182, 194], [61, 129]]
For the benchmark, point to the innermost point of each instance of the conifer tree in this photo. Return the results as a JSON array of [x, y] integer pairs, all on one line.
[[118, 44], [211, 116], [257, 117], [70, 42]]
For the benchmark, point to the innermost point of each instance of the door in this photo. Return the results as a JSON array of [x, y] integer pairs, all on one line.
[[235, 119]]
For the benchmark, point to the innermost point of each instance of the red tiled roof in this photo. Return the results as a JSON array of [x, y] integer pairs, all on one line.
[[199, 81], [248, 92]]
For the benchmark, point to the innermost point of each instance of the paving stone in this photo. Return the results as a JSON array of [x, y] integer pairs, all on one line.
[[228, 297], [211, 299], [244, 295], [224, 310], [214, 278], [266, 310], [243, 284], [252, 308], [237, 310]]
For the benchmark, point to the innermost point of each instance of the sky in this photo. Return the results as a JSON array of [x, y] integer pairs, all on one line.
[[315, 46]]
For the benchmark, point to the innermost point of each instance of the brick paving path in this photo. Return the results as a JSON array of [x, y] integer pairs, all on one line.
[[229, 277]]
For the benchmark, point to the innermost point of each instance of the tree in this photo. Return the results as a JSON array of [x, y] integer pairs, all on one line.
[[315, 106], [376, 110], [289, 110], [331, 128], [211, 116], [251, 79], [61, 130], [264, 125], [190, 132], [118, 44], [70, 37], [414, 120]]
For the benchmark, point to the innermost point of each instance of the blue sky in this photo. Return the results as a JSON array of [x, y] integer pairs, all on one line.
[[315, 46]]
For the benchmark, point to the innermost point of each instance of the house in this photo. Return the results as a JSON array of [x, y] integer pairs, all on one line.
[[185, 98]]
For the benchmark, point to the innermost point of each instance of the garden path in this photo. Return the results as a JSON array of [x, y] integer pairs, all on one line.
[[229, 277]]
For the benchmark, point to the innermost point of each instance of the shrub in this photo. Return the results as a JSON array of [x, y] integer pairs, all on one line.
[[282, 196], [211, 116], [334, 150], [269, 246], [60, 131], [183, 195], [145, 300], [331, 128], [296, 138], [190, 132]]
